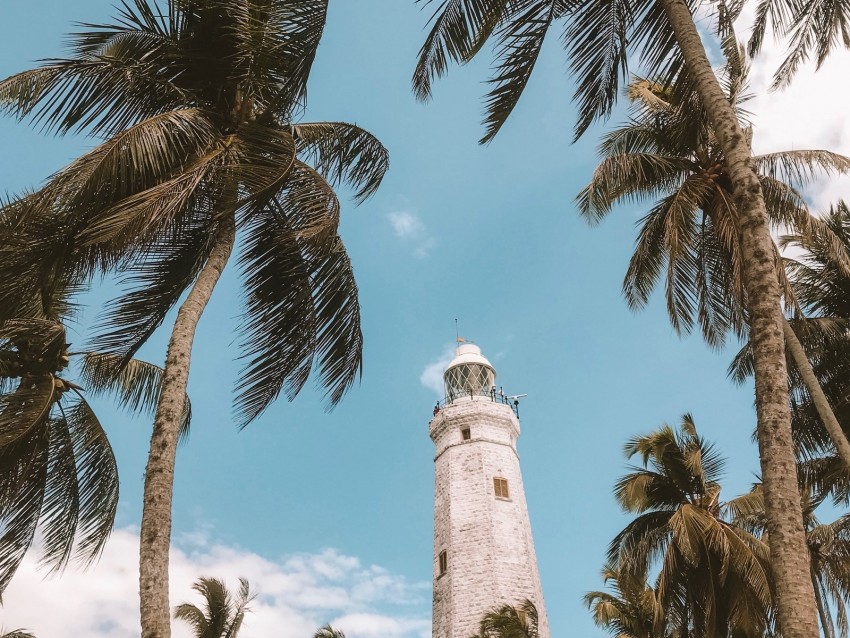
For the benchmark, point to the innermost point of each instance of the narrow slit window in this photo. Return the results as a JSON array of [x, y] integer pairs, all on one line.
[[444, 562], [500, 485], [465, 434]]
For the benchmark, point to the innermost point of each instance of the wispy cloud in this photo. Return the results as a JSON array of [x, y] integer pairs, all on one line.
[[410, 229], [297, 594], [432, 375]]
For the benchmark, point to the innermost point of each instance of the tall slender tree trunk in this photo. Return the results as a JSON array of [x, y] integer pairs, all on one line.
[[155, 538], [821, 403], [825, 619], [796, 605]]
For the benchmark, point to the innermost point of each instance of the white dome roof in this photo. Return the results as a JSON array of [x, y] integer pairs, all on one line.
[[469, 353]]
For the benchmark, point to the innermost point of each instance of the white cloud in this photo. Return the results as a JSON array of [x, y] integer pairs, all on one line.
[[409, 228], [296, 594], [432, 374], [405, 224], [807, 115]]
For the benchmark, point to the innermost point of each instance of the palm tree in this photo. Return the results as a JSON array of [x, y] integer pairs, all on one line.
[[668, 154], [713, 577], [631, 609], [197, 104], [222, 613], [828, 545], [600, 35], [56, 464], [16, 633], [510, 621]]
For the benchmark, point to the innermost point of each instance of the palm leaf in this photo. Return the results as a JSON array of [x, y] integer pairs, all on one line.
[[460, 28], [301, 299], [343, 153], [135, 384], [518, 46]]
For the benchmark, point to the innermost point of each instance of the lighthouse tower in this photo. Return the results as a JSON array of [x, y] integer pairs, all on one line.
[[483, 549]]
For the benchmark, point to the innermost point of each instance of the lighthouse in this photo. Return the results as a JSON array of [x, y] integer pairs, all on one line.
[[483, 548]]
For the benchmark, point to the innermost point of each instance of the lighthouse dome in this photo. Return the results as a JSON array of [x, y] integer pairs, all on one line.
[[469, 373]]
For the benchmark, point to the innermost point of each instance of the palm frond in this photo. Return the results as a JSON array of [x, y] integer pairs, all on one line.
[[815, 29], [155, 281], [135, 384], [459, 30], [141, 216], [301, 300], [328, 632], [23, 468], [343, 153], [518, 46], [801, 167], [629, 177]]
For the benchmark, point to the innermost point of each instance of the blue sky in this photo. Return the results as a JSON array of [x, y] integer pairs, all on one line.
[[488, 235]]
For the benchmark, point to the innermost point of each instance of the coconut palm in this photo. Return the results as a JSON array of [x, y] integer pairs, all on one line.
[[668, 154], [630, 609], [713, 577], [828, 544], [56, 464], [222, 613], [197, 102], [510, 621], [16, 633], [601, 36]]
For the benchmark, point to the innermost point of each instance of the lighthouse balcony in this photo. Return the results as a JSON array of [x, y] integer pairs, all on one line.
[[491, 394]]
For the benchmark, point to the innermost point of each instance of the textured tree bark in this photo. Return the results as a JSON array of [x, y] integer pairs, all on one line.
[[821, 403], [155, 538], [796, 605]]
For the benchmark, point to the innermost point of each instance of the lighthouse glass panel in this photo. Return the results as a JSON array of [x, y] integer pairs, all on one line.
[[468, 379]]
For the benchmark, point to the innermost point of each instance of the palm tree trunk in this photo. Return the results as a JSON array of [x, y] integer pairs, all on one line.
[[155, 535], [825, 619], [821, 403], [797, 608]]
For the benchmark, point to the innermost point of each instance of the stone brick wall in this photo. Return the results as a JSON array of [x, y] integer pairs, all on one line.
[[488, 541]]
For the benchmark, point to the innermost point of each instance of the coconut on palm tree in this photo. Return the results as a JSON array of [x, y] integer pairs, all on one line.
[[601, 36], [222, 613], [713, 577], [57, 469], [197, 101]]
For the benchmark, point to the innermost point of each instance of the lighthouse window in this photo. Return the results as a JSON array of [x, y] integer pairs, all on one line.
[[465, 434], [444, 562], [500, 485]]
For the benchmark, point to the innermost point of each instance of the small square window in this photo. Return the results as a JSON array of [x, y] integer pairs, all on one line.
[[500, 485], [444, 562], [465, 434]]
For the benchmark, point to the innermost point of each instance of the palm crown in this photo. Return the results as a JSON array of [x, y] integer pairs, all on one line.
[[667, 154], [196, 106], [222, 613], [713, 577]]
